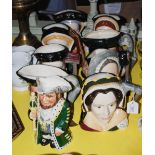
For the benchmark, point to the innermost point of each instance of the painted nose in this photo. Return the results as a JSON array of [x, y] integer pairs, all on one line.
[[106, 111], [45, 99]]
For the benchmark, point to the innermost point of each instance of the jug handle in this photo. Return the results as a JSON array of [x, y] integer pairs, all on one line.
[[134, 88], [33, 61], [83, 25]]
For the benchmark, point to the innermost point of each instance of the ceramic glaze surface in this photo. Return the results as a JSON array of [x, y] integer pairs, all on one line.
[[23, 48], [111, 68], [102, 34], [51, 48], [105, 23], [104, 110], [68, 10], [58, 64], [58, 38], [17, 82], [55, 28], [34, 71], [106, 15], [75, 25], [57, 84], [106, 39], [55, 25], [116, 17], [120, 19], [21, 56], [97, 51], [51, 53], [70, 15], [103, 60]]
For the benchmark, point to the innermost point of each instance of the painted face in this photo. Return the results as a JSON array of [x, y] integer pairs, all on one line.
[[104, 106], [47, 100]]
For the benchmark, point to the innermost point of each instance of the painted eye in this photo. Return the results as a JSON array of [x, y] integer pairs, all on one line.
[[50, 96], [99, 107], [112, 104]]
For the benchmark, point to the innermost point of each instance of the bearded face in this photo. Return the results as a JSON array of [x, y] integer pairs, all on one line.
[[48, 100]]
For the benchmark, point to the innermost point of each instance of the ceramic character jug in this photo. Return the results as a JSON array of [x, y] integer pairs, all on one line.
[[105, 22], [57, 34], [108, 21], [52, 54], [112, 40], [104, 107], [53, 112], [103, 60], [106, 60], [73, 18], [106, 38], [31, 72], [21, 56]]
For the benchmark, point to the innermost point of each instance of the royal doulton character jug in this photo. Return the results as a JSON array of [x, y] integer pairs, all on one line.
[[103, 60], [73, 18], [52, 54], [21, 56], [104, 106], [53, 112], [31, 72]]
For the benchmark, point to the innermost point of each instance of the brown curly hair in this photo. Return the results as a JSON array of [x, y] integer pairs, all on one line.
[[117, 93]]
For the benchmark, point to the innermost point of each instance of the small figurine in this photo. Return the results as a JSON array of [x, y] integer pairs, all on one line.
[[103, 105], [53, 112]]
